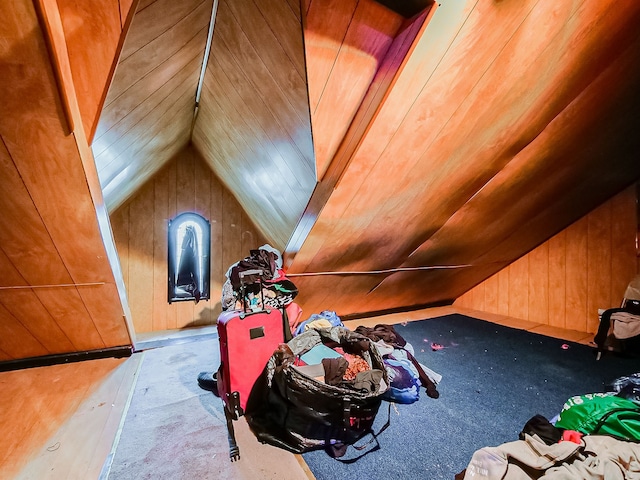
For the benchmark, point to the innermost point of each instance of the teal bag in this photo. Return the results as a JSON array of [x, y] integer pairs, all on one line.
[[602, 414]]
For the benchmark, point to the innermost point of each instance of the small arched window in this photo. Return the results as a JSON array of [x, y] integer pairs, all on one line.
[[189, 260]]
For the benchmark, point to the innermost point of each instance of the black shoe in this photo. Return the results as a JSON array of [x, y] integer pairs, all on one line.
[[209, 381]]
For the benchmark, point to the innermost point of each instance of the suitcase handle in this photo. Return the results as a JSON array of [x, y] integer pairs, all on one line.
[[256, 271], [243, 291]]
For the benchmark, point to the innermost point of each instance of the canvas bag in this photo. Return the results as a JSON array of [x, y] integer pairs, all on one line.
[[293, 411], [602, 414]]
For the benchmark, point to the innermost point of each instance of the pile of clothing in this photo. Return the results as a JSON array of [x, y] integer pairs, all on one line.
[[595, 436], [264, 285], [406, 374]]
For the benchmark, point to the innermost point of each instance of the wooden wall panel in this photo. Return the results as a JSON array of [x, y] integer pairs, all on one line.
[[557, 280], [622, 247], [539, 284], [518, 288], [492, 286], [141, 258], [218, 268], [503, 292], [185, 202], [149, 109], [23, 303], [36, 404], [583, 268], [489, 143], [253, 126], [140, 229], [577, 276], [324, 33], [92, 30], [172, 210], [160, 247], [125, 10], [10, 331], [203, 313], [50, 235], [598, 263]]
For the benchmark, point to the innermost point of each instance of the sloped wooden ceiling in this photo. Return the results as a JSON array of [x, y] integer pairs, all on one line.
[[60, 288], [506, 122], [249, 118], [253, 126], [481, 128], [148, 112], [439, 140]]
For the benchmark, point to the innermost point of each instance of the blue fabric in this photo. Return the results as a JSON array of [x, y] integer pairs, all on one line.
[[404, 383], [328, 315]]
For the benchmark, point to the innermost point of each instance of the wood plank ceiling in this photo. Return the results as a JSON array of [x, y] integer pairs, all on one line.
[[463, 136], [507, 122], [250, 120], [438, 140]]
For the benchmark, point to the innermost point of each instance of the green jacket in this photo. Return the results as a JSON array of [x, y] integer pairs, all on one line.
[[602, 414]]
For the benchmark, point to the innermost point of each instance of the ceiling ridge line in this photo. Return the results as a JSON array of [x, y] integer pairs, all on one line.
[[205, 61]]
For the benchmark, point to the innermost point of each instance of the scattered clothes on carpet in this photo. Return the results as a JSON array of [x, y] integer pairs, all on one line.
[[406, 374], [403, 383], [601, 414], [595, 457], [595, 436]]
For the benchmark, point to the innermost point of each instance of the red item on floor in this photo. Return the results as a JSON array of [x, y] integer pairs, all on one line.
[[572, 436]]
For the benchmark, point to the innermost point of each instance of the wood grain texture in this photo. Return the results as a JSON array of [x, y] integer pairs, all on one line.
[[34, 423], [51, 231], [582, 267], [557, 279], [92, 30], [368, 37], [141, 226], [482, 161], [598, 263], [150, 105], [483, 132], [253, 127], [80, 443]]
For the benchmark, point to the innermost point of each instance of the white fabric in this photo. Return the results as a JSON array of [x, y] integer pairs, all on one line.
[[633, 290], [597, 457], [625, 325], [275, 251]]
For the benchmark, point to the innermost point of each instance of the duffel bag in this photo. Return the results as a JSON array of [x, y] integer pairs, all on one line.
[[300, 412]]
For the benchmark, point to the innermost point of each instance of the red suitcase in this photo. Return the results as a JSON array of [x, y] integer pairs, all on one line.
[[247, 340]]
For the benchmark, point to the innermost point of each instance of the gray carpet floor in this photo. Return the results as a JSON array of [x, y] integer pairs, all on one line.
[[175, 430], [494, 380]]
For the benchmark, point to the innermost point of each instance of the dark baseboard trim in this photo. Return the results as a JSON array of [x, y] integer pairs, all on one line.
[[61, 358], [356, 316]]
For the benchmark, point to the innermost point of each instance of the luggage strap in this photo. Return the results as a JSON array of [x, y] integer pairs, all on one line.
[[346, 412], [374, 435]]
